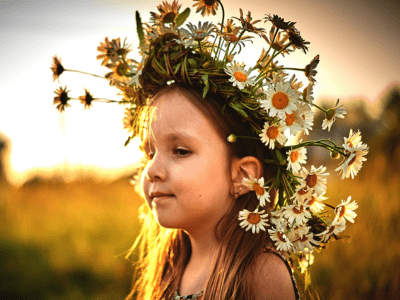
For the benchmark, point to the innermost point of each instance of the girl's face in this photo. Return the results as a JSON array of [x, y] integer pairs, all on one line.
[[188, 160]]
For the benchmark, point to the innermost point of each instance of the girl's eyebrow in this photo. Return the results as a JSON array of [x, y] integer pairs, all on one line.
[[171, 137]]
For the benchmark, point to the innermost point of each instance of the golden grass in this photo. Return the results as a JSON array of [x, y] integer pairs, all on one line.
[[80, 231]]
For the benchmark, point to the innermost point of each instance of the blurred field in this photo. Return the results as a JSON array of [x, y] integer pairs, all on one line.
[[65, 241]]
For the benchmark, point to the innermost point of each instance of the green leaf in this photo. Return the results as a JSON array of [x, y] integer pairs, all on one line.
[[139, 28], [245, 91], [192, 63], [205, 80], [177, 67], [181, 18], [238, 109]]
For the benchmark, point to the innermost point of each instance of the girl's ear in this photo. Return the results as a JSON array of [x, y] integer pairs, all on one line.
[[244, 168]]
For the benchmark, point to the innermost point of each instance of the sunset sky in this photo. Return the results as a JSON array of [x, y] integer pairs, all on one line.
[[358, 43]]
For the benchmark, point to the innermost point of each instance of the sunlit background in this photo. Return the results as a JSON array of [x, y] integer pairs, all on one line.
[[67, 211]]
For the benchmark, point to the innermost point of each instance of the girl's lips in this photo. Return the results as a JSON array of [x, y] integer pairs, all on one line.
[[162, 198]]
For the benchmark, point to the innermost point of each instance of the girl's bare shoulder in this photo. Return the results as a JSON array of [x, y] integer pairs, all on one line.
[[272, 278]]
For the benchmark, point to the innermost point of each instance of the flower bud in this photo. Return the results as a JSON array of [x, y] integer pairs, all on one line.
[[231, 138], [206, 65], [330, 114], [335, 155], [229, 58]]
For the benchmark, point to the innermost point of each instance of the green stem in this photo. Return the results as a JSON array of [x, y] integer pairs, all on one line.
[[85, 73]]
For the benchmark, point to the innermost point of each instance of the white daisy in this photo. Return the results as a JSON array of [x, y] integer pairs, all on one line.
[[254, 220], [295, 158], [239, 76], [307, 93], [296, 213], [337, 226], [277, 219], [336, 112], [293, 122], [315, 179], [272, 133], [295, 85], [353, 140], [258, 186], [195, 33], [305, 240], [307, 117], [136, 69], [352, 164], [315, 203], [282, 242], [302, 193], [280, 99], [346, 210]]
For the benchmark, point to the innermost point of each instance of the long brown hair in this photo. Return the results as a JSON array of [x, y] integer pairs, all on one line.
[[164, 253]]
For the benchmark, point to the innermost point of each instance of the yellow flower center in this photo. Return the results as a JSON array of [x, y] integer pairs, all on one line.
[[209, 2], [240, 76], [311, 180], [289, 119], [352, 160], [258, 189], [280, 100], [280, 236], [294, 155], [331, 229], [169, 17], [303, 238], [298, 211], [302, 192], [313, 198], [253, 218], [272, 132], [342, 210]]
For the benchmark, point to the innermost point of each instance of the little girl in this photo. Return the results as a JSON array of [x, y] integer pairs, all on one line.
[[224, 193], [193, 186]]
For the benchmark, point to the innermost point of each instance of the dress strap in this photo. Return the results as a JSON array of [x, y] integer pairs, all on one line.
[[197, 296], [296, 290]]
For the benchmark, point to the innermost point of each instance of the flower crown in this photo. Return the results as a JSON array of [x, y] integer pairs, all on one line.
[[203, 56]]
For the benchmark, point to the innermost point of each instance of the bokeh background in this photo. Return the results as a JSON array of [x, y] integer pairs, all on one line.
[[68, 213]]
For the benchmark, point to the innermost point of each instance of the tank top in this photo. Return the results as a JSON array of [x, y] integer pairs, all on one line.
[[200, 296]]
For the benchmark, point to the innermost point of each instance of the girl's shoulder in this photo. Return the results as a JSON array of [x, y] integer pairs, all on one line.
[[274, 277]]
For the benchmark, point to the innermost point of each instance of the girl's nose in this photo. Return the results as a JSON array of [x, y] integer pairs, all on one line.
[[156, 170]]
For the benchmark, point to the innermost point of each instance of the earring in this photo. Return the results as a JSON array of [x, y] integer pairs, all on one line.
[[237, 193]]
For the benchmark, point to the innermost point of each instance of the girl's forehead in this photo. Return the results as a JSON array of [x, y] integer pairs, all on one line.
[[174, 116]]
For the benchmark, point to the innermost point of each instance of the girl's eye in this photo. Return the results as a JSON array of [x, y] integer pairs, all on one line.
[[182, 152]]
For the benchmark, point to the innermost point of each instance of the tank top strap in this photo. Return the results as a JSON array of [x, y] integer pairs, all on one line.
[[296, 290], [198, 296]]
